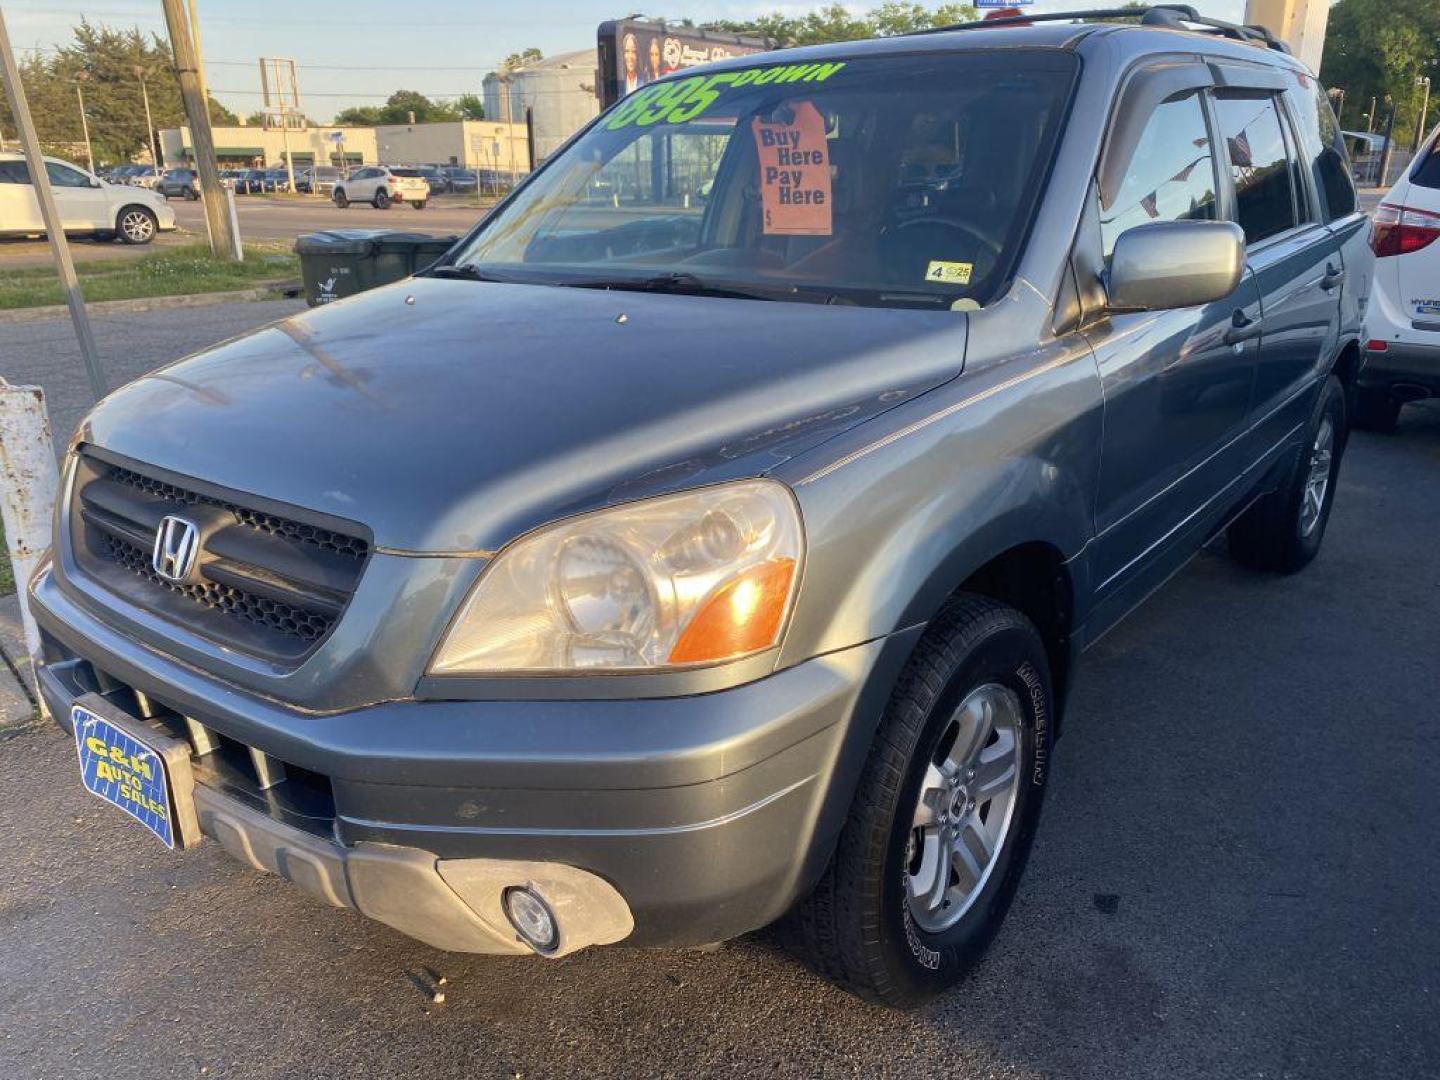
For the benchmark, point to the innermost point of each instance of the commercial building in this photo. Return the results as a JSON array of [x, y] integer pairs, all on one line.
[[559, 91], [479, 144]]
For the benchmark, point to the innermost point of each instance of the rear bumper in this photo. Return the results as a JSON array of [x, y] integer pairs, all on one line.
[[700, 818], [1406, 370]]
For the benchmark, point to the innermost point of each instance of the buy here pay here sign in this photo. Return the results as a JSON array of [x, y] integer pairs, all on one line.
[[794, 173]]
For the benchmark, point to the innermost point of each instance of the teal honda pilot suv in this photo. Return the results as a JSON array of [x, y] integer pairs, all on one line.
[[710, 537]]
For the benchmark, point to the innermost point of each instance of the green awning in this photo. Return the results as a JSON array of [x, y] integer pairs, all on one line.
[[231, 151]]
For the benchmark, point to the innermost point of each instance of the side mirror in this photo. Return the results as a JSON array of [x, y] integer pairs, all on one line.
[[1175, 264], [94, 182]]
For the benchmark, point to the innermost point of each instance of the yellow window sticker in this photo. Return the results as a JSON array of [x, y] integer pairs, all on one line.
[[949, 273]]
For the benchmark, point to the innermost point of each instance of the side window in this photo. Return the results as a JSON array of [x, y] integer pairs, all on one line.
[[1332, 168], [1426, 173], [1171, 176], [64, 176], [1264, 178], [14, 172]]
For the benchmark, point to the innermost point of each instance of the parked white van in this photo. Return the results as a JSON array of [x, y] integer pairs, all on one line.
[[88, 205]]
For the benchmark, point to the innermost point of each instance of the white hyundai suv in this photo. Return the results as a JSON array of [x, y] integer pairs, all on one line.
[[381, 185], [1402, 323], [88, 205]]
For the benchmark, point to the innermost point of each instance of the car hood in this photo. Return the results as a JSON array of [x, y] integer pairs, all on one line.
[[454, 415]]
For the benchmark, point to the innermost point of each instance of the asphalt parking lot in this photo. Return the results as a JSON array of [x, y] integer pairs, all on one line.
[[1235, 876], [267, 217]]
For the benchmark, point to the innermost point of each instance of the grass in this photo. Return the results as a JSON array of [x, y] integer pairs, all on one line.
[[175, 271], [7, 572]]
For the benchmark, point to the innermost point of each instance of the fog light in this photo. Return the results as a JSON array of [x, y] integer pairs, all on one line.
[[531, 918]]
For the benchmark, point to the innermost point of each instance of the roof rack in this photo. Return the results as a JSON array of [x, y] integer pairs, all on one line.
[[1170, 16]]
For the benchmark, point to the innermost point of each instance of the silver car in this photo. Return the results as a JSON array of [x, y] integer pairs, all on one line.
[[656, 567]]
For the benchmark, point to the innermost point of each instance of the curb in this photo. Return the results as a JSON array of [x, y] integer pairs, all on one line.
[[274, 291]]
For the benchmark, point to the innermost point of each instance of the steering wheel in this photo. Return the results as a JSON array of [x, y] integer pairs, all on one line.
[[898, 236]]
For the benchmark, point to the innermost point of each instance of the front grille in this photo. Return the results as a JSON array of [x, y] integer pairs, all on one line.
[[270, 583]]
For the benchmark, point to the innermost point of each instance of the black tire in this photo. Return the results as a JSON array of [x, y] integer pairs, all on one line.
[[382, 200], [1375, 410], [191, 194], [1278, 532], [420, 205], [340, 200], [857, 927], [132, 229]]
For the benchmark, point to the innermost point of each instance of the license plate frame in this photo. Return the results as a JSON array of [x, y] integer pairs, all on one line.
[[151, 772]]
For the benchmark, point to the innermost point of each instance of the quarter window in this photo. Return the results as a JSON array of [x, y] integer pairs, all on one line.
[[1171, 176], [1263, 172]]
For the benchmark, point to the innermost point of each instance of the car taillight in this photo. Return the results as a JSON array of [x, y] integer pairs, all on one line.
[[1399, 230]]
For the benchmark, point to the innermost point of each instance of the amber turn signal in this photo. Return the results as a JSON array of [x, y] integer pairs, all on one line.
[[743, 616]]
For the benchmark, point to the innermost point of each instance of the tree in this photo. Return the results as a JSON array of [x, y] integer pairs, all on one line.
[[834, 22], [470, 106], [520, 59], [359, 116], [108, 59], [1375, 48], [402, 105]]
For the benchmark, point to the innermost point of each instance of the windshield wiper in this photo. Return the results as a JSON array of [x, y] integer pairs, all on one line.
[[676, 281], [467, 272]]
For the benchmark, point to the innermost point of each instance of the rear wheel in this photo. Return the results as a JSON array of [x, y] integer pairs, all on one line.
[[1376, 410], [1283, 530], [340, 200], [936, 840], [420, 205], [382, 200], [136, 225]]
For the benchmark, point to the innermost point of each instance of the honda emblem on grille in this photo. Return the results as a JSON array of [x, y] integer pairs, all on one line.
[[177, 544]]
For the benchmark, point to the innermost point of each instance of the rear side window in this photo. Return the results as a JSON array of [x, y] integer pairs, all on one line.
[[1426, 173], [1262, 170], [1171, 175], [1332, 167]]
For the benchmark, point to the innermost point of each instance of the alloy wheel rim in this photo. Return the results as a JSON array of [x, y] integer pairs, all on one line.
[[136, 225], [963, 814], [1317, 481]]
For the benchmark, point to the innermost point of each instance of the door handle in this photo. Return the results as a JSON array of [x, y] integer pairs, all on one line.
[[1241, 328], [1332, 277]]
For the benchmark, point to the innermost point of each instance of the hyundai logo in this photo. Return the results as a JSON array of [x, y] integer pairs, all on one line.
[[177, 545]]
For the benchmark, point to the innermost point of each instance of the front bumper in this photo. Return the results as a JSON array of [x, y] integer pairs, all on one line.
[[1405, 370], [704, 816]]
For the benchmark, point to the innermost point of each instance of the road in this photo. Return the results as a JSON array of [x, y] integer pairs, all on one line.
[[1235, 875], [267, 217]]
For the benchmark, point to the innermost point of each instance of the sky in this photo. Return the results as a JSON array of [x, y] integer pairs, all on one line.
[[370, 48]]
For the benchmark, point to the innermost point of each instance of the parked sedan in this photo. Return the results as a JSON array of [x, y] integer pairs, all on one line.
[[460, 181], [250, 182], [277, 180]]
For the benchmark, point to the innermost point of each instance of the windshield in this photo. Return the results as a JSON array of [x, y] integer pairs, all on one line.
[[894, 181]]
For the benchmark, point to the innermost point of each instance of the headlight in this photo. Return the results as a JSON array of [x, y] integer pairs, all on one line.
[[697, 578]]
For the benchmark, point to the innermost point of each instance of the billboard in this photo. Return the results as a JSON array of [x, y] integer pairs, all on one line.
[[634, 52]]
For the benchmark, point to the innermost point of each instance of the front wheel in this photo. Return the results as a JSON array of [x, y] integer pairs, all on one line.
[[382, 200], [137, 225], [937, 837], [1282, 531], [340, 200]]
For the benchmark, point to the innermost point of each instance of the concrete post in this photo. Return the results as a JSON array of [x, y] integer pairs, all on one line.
[[28, 481], [1299, 23]]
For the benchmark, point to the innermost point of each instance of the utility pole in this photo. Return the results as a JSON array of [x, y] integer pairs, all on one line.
[[49, 213], [1389, 147], [80, 77], [223, 242], [155, 161], [1424, 81], [199, 54]]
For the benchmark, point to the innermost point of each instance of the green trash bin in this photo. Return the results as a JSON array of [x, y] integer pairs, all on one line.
[[337, 264], [403, 253], [343, 262]]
